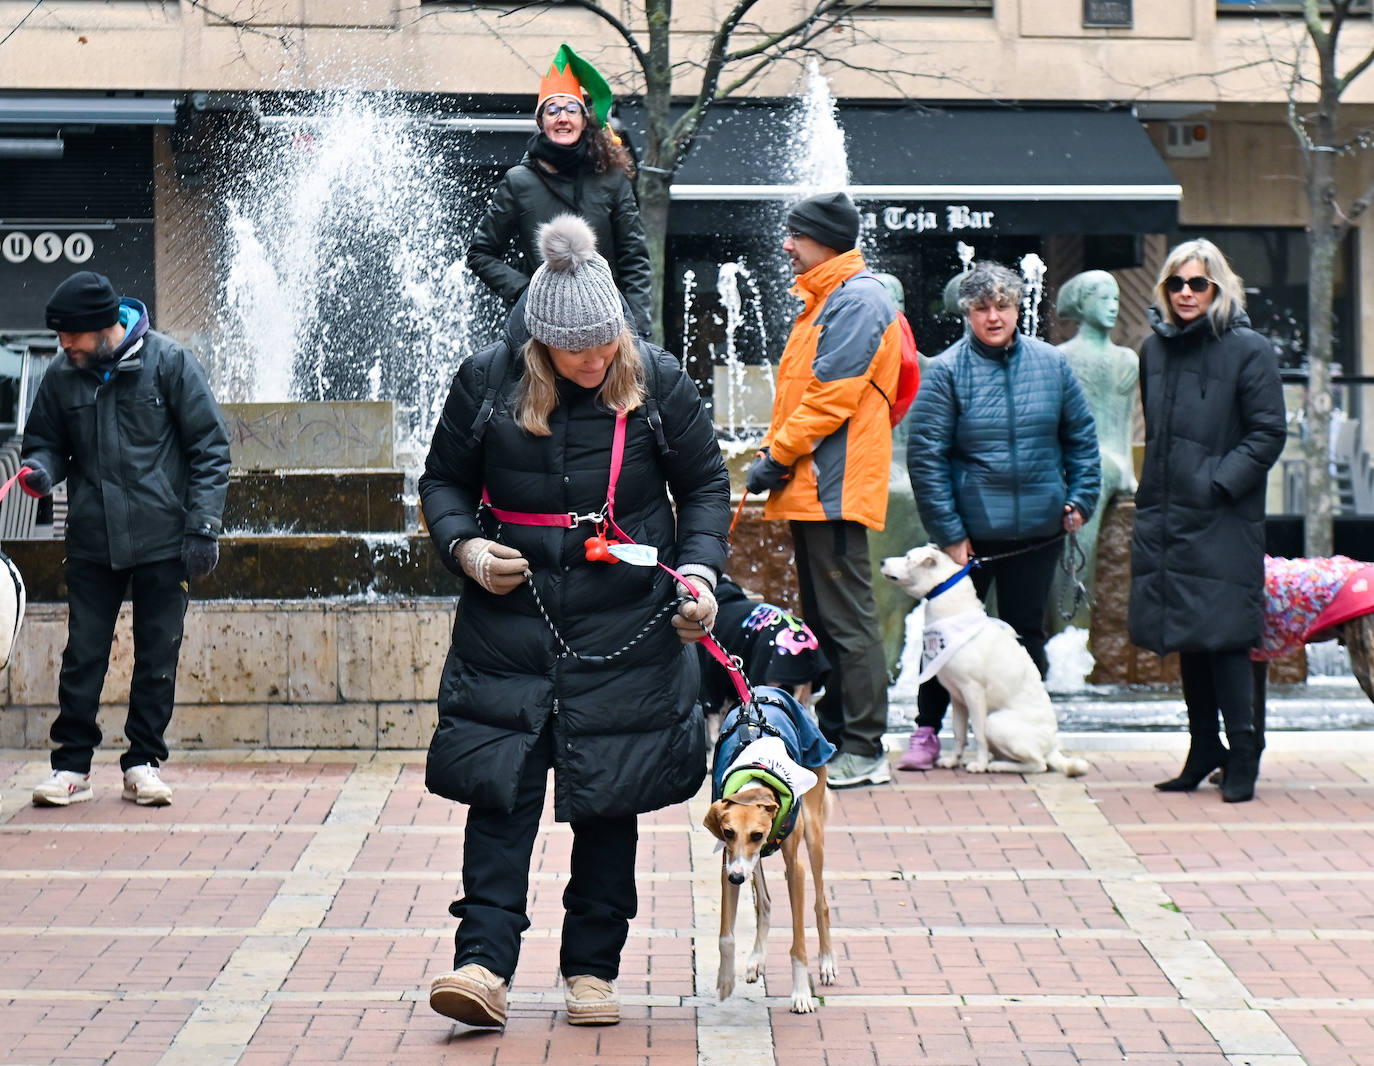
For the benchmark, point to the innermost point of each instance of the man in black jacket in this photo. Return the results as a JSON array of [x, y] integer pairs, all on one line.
[[126, 416]]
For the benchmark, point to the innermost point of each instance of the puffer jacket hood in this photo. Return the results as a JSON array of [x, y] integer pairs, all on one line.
[[1161, 324]]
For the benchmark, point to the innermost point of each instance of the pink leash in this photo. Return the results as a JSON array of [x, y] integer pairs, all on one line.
[[732, 665], [5, 488]]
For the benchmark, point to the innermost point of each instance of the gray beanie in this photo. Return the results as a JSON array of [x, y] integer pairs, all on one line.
[[572, 302], [830, 218]]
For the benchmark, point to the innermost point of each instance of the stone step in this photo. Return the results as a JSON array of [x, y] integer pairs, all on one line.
[[315, 501], [307, 566]]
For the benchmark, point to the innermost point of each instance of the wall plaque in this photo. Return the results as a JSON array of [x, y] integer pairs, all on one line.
[[1114, 13]]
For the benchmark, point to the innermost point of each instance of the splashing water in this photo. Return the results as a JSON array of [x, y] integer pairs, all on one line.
[[732, 414], [819, 159], [1033, 270], [343, 274]]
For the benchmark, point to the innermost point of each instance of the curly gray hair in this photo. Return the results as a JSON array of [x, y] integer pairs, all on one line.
[[988, 282]]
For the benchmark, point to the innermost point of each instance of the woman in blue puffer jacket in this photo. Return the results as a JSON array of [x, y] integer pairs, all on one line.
[[1003, 459]]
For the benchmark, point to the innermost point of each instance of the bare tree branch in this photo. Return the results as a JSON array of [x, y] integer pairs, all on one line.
[[15, 28], [245, 25]]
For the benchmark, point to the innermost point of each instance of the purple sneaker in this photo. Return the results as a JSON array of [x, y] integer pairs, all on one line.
[[922, 750]]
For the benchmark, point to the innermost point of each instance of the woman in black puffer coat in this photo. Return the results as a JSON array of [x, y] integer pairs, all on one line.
[[573, 164], [559, 661], [1214, 425]]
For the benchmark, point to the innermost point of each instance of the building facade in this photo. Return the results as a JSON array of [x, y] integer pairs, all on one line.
[[135, 137]]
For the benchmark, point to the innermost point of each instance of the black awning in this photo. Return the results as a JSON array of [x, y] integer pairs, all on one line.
[[942, 170]]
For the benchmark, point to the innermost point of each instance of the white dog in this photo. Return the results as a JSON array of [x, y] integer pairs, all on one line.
[[11, 607], [993, 684]]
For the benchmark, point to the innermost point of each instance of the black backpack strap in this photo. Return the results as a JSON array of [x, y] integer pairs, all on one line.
[[494, 378], [651, 411]]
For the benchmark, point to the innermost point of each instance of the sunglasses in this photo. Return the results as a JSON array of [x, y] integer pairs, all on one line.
[[554, 110], [1198, 284]]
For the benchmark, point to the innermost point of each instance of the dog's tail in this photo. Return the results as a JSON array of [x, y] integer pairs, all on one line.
[[1068, 765]]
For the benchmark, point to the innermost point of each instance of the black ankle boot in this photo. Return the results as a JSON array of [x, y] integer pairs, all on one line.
[[1243, 768], [1204, 756]]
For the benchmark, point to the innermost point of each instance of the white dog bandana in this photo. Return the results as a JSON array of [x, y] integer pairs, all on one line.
[[944, 636], [770, 753]]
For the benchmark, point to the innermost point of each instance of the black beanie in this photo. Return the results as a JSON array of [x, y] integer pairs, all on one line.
[[85, 302], [830, 218]]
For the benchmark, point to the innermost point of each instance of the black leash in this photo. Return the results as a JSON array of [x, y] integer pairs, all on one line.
[[1073, 562], [568, 653], [978, 560]]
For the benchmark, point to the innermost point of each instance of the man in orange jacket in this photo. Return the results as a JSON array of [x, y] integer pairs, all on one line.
[[825, 463]]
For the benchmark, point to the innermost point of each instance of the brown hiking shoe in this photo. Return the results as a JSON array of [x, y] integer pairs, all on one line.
[[472, 994], [591, 1001]]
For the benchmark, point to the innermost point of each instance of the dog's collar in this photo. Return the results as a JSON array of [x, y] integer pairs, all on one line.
[[949, 582]]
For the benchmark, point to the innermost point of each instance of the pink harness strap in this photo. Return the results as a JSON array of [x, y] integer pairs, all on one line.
[[569, 519]]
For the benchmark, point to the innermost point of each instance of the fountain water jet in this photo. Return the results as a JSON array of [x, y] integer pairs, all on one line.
[[343, 265]]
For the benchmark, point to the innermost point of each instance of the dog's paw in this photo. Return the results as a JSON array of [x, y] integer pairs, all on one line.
[[755, 969], [725, 983], [976, 766], [947, 762], [827, 962], [802, 1003]]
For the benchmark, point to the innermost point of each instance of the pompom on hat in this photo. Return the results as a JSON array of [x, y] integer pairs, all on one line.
[[571, 75], [572, 302]]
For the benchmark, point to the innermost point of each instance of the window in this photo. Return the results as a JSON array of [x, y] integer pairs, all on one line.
[[1280, 7], [952, 6]]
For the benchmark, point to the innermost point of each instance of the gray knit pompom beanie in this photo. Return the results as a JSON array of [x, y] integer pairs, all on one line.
[[572, 303]]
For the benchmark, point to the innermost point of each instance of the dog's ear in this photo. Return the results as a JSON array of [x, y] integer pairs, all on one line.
[[768, 807], [712, 819]]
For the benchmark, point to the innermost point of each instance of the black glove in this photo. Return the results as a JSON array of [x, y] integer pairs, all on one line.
[[199, 554], [37, 482], [765, 473]]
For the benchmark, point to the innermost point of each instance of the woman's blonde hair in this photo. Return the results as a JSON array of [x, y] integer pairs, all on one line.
[[537, 394], [1229, 300]]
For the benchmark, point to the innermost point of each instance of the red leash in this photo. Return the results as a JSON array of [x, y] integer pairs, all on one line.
[[5, 488]]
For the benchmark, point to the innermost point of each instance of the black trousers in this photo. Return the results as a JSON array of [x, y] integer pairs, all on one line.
[[598, 903], [1023, 593], [94, 593], [836, 579]]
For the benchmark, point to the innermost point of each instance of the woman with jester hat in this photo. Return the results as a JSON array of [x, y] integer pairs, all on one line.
[[576, 164]]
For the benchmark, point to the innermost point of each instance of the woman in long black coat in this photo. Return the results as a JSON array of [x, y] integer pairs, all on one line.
[[560, 660], [573, 164], [1214, 425]]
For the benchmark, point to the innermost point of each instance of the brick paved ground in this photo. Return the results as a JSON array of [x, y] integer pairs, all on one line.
[[291, 907]]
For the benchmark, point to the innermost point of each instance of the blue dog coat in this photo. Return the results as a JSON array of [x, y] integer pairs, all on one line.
[[781, 755]]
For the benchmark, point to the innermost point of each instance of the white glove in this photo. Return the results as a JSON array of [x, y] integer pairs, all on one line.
[[498, 568], [695, 615]]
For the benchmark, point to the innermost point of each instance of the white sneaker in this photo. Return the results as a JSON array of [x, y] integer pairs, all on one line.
[[62, 788], [143, 785]]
